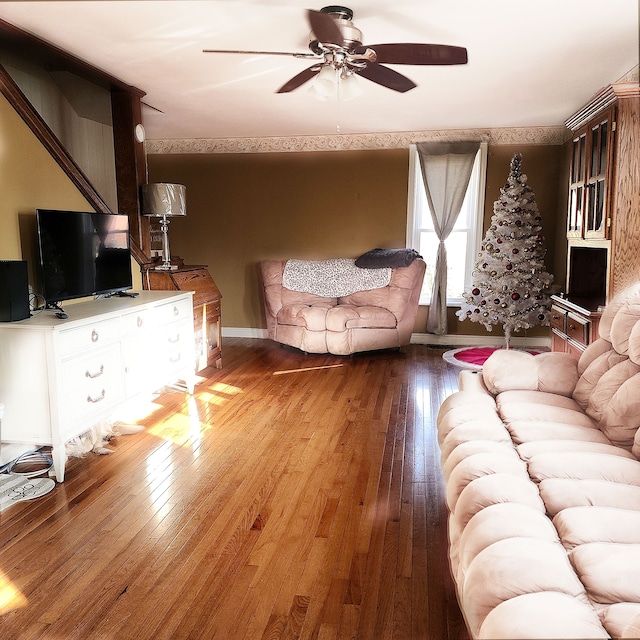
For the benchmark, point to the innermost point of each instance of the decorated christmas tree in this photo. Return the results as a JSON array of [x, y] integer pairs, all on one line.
[[510, 285]]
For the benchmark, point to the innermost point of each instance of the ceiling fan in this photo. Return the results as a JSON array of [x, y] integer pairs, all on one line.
[[336, 45]]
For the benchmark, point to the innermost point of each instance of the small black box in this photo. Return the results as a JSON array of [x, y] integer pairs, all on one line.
[[14, 290]]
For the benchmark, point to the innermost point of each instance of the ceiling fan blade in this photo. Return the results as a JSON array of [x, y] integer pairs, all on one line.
[[300, 79], [324, 28], [409, 53], [386, 77], [262, 53]]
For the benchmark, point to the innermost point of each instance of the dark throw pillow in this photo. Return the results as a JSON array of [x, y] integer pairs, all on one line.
[[381, 258]]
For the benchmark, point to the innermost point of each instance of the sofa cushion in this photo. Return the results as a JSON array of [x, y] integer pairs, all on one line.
[[543, 412], [634, 344], [609, 571], [313, 317], [466, 449], [592, 374], [343, 317], [622, 619], [562, 493], [530, 431], [593, 350], [482, 464], [630, 294], [585, 466], [608, 385], [621, 416], [508, 369], [517, 397], [497, 522], [546, 614], [288, 297], [513, 567], [622, 325], [494, 489], [635, 449], [581, 525], [527, 450], [474, 430]]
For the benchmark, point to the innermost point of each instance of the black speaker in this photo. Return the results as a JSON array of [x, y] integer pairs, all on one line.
[[14, 290]]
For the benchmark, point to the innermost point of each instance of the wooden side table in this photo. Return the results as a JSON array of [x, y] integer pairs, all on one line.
[[206, 307]]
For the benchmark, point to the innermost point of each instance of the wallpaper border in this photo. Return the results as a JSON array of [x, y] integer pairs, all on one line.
[[351, 142]]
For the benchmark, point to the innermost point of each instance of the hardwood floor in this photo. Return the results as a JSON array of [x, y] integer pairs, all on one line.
[[293, 496]]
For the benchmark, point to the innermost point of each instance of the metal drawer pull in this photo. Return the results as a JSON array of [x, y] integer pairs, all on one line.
[[139, 322], [174, 359], [95, 400], [572, 327], [95, 375], [175, 340], [176, 311], [94, 336]]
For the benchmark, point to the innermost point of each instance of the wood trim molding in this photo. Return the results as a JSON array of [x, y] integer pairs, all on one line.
[[49, 140], [603, 99], [531, 135], [34, 121]]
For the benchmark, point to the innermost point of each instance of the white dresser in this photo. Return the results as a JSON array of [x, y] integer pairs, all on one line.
[[59, 377]]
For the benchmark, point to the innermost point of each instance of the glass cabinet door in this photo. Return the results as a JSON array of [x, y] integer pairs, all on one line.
[[576, 186], [591, 159], [597, 216]]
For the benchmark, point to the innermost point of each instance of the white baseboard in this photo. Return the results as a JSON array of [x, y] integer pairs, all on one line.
[[419, 338], [479, 341], [244, 332]]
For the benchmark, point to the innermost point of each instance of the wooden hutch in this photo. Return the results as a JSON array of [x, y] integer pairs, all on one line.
[[603, 223]]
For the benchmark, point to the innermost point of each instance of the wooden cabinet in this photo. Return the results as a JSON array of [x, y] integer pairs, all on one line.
[[206, 308], [58, 378], [603, 218], [573, 328], [603, 222]]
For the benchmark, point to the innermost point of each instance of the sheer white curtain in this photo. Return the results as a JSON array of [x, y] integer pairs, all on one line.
[[446, 169]]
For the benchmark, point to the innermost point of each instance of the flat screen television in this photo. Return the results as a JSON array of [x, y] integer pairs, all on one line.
[[82, 254]]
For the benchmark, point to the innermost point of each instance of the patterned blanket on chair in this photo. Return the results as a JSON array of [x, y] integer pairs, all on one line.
[[332, 278]]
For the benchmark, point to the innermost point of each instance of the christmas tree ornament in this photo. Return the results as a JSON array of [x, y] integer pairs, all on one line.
[[515, 266]]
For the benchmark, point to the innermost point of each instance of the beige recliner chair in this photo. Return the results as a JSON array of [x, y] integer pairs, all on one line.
[[378, 318]]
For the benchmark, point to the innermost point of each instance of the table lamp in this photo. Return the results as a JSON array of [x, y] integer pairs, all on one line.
[[164, 200]]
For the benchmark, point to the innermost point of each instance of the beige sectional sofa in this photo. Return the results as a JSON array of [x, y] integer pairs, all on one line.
[[378, 318], [540, 459]]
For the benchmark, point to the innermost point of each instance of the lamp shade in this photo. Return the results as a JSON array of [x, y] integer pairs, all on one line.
[[164, 199]]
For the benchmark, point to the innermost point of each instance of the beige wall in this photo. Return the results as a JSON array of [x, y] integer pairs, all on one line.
[[30, 178], [242, 208]]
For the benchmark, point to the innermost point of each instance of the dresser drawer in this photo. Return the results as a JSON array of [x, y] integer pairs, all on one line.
[[91, 384], [174, 334], [578, 329], [137, 322], [558, 318], [176, 358], [173, 312], [94, 335]]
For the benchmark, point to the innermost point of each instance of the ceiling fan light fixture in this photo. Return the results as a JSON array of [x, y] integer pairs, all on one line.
[[324, 85], [335, 82], [350, 87]]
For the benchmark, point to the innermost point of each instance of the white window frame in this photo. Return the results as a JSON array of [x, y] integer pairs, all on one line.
[[474, 199]]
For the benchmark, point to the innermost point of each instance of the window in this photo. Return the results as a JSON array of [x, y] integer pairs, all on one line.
[[463, 244]]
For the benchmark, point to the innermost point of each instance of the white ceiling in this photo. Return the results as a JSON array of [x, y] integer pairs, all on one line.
[[530, 63]]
